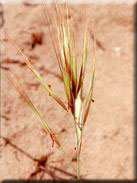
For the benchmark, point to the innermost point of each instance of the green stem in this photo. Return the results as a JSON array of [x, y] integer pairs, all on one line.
[[78, 147], [78, 163]]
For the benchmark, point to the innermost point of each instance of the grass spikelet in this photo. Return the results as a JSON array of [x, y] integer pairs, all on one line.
[[72, 77], [73, 82]]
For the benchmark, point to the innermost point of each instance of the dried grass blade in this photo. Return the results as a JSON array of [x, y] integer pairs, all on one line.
[[74, 68], [66, 81], [69, 65], [83, 62], [38, 77], [65, 62], [89, 99], [90, 94], [34, 109]]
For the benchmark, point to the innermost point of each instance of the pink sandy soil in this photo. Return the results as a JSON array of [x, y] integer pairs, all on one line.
[[108, 142]]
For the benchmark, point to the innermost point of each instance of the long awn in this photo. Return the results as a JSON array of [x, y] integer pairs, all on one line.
[[73, 78]]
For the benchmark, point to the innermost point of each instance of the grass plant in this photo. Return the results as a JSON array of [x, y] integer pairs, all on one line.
[[72, 76]]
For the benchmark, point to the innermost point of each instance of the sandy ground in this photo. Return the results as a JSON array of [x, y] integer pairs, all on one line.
[[108, 143]]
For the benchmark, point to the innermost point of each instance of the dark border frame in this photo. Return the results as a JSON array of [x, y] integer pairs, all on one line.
[[69, 181]]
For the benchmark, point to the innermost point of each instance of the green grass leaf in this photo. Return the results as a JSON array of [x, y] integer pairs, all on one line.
[[83, 62]]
